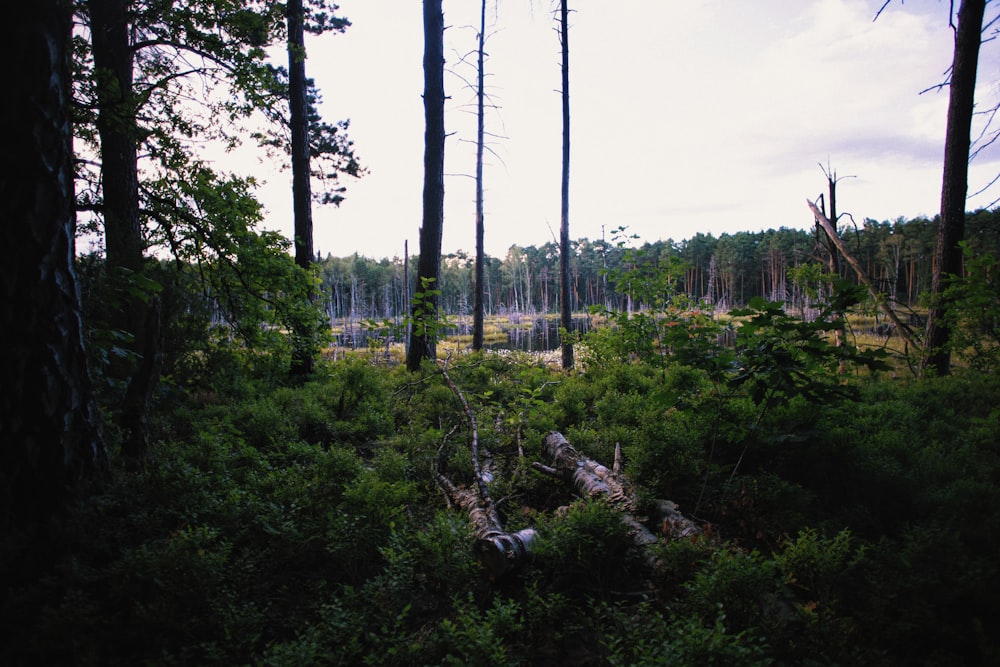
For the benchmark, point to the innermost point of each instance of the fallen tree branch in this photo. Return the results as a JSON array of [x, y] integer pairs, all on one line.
[[831, 233], [497, 550]]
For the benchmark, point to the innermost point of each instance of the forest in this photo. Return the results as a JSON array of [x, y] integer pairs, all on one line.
[[765, 448], [724, 272]]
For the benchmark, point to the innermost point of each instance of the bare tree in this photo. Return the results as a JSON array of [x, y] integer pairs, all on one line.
[[565, 285], [479, 306]]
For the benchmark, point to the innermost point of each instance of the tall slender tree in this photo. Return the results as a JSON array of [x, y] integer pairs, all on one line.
[[955, 180], [423, 327], [565, 277], [51, 430], [479, 306]]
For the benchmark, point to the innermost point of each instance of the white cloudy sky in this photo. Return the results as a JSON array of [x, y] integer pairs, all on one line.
[[697, 116]]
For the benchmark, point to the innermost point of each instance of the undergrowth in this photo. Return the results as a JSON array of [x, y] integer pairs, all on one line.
[[849, 520]]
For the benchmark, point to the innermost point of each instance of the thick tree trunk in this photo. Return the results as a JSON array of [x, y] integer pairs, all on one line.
[[139, 394], [566, 307], [304, 338], [51, 429], [423, 329], [118, 131], [955, 180]]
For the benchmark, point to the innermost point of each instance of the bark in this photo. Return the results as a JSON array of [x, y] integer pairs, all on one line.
[[479, 307], [497, 550], [565, 308], [51, 429], [135, 406], [124, 244], [116, 125], [901, 327], [423, 329], [302, 355], [594, 480], [955, 181]]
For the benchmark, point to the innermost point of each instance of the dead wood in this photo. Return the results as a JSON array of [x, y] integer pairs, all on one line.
[[591, 479], [497, 550], [831, 233]]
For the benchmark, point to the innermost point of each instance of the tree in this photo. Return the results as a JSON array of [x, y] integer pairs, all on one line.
[[50, 425], [159, 69], [298, 107], [423, 328], [566, 314], [118, 130], [479, 306], [955, 181]]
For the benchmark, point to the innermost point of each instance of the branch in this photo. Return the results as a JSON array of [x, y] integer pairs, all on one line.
[[824, 222]]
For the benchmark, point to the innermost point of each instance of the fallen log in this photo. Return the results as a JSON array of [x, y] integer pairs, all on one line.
[[831, 232], [592, 479], [497, 550]]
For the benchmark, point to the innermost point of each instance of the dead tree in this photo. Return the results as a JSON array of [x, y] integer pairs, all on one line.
[[565, 277], [831, 232], [592, 479]]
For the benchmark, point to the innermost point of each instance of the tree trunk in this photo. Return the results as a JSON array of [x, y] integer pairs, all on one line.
[[955, 181], [139, 394], [566, 310], [594, 480], [51, 429], [116, 125], [117, 129], [303, 350], [478, 304], [423, 328]]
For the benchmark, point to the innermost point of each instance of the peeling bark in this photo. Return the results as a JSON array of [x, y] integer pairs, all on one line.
[[594, 480], [498, 551]]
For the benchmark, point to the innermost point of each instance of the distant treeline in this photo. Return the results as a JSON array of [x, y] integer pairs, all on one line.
[[724, 272]]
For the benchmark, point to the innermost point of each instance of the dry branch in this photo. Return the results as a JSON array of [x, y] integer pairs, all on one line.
[[831, 232]]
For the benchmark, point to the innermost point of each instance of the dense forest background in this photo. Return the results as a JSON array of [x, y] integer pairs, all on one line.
[[721, 273]]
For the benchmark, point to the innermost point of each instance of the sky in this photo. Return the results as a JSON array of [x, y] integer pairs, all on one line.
[[710, 116]]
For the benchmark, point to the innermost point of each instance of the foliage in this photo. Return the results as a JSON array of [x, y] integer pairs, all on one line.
[[850, 517], [974, 314]]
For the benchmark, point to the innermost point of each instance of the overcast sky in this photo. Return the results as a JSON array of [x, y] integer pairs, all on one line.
[[705, 116]]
